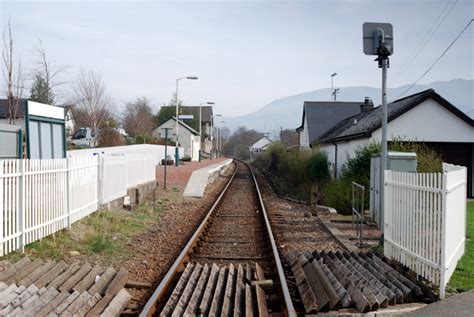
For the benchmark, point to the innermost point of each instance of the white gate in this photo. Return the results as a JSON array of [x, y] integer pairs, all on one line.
[[425, 221]]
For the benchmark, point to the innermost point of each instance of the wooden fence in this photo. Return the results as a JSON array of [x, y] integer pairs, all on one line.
[[40, 197], [425, 221]]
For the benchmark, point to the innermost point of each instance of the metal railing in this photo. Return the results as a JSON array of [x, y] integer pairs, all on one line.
[[358, 209]]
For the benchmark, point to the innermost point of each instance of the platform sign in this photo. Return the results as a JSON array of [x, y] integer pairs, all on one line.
[[186, 117], [45, 131]]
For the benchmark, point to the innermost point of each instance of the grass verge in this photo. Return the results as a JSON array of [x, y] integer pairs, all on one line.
[[463, 277], [104, 236]]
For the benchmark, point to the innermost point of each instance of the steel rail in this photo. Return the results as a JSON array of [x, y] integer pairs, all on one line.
[[150, 306], [281, 275], [161, 290]]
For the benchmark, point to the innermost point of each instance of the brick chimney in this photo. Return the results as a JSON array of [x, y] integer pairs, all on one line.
[[367, 105]]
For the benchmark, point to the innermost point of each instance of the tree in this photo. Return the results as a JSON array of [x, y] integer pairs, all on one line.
[[45, 76], [289, 137], [169, 111], [238, 144], [40, 91], [93, 105], [138, 119], [110, 137], [12, 75]]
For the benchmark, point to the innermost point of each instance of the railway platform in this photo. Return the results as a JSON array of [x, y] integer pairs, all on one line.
[[200, 178]]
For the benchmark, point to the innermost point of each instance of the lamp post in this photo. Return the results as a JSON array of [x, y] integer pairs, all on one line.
[[200, 124], [332, 86], [220, 138], [177, 115], [217, 145]]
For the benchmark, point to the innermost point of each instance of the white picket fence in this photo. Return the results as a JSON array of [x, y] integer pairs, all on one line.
[[40, 197], [425, 221], [156, 151]]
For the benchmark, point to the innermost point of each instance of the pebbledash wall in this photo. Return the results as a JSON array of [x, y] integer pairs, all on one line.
[[40, 197]]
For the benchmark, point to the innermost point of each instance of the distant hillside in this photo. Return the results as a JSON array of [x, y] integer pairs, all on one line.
[[286, 112]]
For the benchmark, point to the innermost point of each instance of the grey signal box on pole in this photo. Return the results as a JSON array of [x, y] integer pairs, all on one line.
[[377, 38]]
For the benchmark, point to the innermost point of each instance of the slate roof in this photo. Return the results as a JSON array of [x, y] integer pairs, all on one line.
[[4, 109], [363, 124], [182, 124], [323, 115], [206, 111]]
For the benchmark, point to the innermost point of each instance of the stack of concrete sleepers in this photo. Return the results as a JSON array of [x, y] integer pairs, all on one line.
[[48, 288], [335, 280]]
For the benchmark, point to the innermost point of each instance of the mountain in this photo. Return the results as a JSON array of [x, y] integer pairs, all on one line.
[[286, 112]]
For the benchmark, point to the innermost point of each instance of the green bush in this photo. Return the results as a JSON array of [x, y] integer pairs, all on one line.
[[338, 193], [294, 173], [318, 168], [429, 161]]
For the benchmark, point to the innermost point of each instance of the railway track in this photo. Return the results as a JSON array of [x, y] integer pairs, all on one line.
[[231, 263]]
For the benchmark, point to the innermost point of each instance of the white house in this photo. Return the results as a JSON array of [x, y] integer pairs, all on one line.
[[260, 146], [188, 138], [425, 117]]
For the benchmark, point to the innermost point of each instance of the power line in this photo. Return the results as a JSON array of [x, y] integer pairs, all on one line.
[[426, 38], [438, 59]]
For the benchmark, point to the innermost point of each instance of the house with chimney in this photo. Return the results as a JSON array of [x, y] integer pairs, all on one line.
[[425, 117]]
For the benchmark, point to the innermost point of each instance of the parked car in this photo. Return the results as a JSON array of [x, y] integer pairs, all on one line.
[[83, 137]]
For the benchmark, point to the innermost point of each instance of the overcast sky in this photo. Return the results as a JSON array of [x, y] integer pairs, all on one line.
[[246, 53]]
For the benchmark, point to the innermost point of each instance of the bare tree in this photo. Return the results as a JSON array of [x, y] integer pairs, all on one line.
[[289, 137], [93, 105], [138, 118], [13, 75], [48, 72]]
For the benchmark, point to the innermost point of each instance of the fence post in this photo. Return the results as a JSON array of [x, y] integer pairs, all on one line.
[[100, 180], [21, 204], [442, 267], [68, 192], [2, 166]]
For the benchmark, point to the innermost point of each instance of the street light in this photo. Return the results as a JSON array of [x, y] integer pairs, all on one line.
[[332, 85], [177, 115], [212, 132], [220, 138], [200, 124]]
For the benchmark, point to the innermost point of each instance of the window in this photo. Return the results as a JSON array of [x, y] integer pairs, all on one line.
[[46, 140], [34, 142]]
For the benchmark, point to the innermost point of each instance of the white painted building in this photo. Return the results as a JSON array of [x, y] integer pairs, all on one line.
[[188, 138], [425, 117], [261, 145]]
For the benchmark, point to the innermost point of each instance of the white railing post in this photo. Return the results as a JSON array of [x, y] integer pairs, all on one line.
[[2, 193], [68, 192], [100, 179], [21, 204], [442, 266]]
